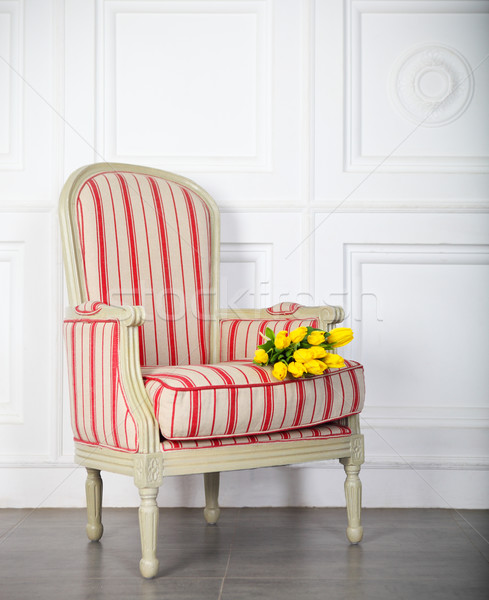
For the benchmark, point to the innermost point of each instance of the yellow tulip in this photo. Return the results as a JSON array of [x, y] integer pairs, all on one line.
[[297, 335], [281, 340], [302, 355], [341, 336], [261, 356], [279, 370], [316, 337], [296, 369], [315, 367], [318, 352], [334, 361]]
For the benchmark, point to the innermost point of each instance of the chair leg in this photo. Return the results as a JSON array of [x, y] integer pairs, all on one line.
[[148, 526], [93, 490], [211, 486], [353, 494]]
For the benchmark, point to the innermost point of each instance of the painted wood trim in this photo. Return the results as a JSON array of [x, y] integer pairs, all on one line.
[[225, 458]]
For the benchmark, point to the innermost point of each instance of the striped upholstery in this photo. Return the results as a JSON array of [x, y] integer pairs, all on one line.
[[240, 337], [309, 433], [145, 241], [99, 413], [89, 308], [240, 398], [283, 308]]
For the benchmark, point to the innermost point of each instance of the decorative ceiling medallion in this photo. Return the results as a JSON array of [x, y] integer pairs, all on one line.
[[432, 85]]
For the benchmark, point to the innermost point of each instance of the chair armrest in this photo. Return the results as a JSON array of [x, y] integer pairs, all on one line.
[[130, 316], [109, 403], [327, 315], [239, 330]]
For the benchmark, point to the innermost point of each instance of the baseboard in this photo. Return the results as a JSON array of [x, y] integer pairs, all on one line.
[[427, 483]]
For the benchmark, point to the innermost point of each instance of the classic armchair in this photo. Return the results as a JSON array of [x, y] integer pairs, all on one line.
[[161, 380]]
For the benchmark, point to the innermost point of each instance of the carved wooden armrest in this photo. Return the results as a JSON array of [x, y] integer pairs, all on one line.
[[130, 316], [103, 339]]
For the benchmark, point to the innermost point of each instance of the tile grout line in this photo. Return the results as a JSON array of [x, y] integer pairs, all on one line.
[[465, 532], [236, 520]]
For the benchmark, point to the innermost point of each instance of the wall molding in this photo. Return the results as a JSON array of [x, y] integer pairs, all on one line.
[[11, 85], [424, 417], [355, 257], [409, 205], [410, 463], [11, 404], [432, 84], [451, 64], [416, 463], [260, 255], [106, 128]]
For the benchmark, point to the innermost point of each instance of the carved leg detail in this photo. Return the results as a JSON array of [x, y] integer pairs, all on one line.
[[211, 510], [148, 525], [93, 490], [353, 494]]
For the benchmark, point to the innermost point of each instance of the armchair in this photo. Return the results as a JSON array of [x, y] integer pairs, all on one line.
[[161, 379]]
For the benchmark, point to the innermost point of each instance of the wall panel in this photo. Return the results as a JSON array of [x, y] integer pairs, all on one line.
[[415, 289], [186, 101], [436, 79], [29, 109], [28, 359], [405, 104], [212, 90], [11, 272], [11, 41]]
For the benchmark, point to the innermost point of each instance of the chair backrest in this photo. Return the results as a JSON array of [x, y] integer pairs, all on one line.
[[144, 237]]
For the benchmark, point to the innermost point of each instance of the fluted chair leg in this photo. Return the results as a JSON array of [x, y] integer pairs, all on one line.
[[93, 490], [148, 526], [211, 510], [353, 495]]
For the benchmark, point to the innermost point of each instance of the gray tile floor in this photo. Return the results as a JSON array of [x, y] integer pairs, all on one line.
[[271, 553]]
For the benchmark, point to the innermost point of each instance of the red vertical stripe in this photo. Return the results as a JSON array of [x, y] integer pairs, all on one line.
[[114, 364], [182, 271], [83, 398], [74, 381], [150, 268], [116, 235], [104, 294], [92, 378], [166, 271], [199, 289], [301, 397]]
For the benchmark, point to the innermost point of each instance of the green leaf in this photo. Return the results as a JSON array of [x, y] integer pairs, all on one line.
[[269, 333]]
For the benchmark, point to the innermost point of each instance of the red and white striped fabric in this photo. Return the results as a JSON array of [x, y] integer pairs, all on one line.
[[146, 241], [332, 430], [89, 308], [283, 308], [240, 398], [240, 337], [99, 412]]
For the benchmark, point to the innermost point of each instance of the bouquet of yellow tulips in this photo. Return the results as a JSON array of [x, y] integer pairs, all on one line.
[[303, 351]]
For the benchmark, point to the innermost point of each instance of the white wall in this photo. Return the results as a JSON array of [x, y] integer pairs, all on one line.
[[345, 175]]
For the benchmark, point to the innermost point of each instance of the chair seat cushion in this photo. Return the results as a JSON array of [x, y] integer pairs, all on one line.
[[321, 432], [239, 398]]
